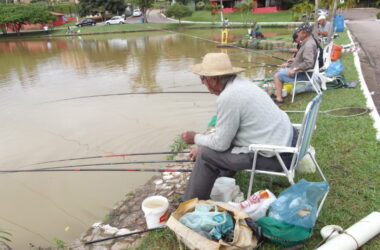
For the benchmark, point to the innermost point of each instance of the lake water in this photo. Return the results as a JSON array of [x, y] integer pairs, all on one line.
[[35, 126]]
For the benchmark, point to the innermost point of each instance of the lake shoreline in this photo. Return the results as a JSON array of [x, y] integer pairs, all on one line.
[[128, 216]]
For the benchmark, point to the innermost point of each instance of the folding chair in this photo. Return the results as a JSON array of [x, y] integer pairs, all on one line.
[[327, 56], [313, 79], [299, 151]]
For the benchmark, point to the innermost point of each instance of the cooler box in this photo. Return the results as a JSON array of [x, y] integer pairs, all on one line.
[[339, 23]]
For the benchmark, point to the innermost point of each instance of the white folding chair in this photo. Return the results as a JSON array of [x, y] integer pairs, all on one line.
[[299, 151], [313, 79], [327, 56]]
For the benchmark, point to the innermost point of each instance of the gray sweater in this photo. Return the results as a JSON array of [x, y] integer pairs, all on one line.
[[246, 115]]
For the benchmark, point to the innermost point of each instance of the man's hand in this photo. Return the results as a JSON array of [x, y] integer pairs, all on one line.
[[194, 153], [188, 137], [290, 61], [291, 72]]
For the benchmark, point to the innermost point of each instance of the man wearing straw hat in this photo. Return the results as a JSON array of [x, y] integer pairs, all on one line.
[[245, 115]]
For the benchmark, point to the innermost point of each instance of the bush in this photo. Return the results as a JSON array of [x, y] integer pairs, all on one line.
[[302, 10], [378, 15], [178, 11]]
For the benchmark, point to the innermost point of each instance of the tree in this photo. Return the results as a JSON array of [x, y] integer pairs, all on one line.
[[18, 14], [178, 11], [91, 7], [245, 8], [144, 5]]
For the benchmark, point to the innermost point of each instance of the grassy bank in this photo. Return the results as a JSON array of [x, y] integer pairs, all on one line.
[[114, 29], [348, 153], [205, 16]]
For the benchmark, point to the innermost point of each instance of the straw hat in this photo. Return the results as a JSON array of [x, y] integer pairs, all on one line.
[[215, 64]]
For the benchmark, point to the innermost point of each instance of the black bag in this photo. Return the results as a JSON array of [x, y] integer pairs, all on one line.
[[320, 58]]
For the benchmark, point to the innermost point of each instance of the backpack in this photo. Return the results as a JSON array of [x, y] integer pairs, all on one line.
[[320, 58]]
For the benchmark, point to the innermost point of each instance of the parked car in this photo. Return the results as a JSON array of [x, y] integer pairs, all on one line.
[[116, 20], [137, 12], [86, 22]]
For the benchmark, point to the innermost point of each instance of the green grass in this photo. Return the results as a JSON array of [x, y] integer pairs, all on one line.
[[159, 240], [348, 153], [205, 16]]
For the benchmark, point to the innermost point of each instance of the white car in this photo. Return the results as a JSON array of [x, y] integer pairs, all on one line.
[[116, 20], [137, 12]]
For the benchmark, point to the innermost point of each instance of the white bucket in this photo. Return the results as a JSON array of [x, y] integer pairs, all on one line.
[[156, 210]]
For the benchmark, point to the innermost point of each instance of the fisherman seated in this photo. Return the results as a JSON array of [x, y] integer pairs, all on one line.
[[304, 60], [254, 31], [323, 26], [245, 115]]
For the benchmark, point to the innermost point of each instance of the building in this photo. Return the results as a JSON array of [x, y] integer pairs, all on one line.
[[262, 6]]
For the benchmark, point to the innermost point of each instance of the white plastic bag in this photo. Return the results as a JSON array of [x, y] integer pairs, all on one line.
[[257, 205], [223, 189], [306, 165]]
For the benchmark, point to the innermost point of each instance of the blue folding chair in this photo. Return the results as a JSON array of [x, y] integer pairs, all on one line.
[[299, 151]]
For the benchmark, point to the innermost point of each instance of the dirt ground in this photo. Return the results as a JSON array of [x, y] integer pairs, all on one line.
[[364, 27]]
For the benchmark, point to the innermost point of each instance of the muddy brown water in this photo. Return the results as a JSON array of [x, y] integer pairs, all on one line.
[[38, 208]]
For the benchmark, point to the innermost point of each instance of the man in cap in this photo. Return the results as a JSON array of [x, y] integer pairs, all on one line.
[[323, 26], [304, 60], [245, 115]]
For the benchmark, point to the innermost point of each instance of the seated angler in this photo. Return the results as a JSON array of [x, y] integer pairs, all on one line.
[[323, 26], [304, 60], [245, 115]]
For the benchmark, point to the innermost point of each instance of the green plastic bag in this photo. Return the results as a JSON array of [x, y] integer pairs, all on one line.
[[282, 233]]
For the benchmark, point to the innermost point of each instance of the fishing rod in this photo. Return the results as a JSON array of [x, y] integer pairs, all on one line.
[[131, 93], [230, 45], [123, 235], [118, 163], [112, 155], [157, 170], [258, 63]]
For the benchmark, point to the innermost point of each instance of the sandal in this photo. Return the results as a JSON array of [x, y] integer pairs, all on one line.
[[278, 102]]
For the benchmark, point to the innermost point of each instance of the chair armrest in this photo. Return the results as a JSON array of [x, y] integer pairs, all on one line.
[[272, 148], [297, 126]]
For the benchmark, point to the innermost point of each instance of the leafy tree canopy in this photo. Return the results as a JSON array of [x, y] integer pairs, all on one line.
[[178, 11], [19, 14], [88, 7]]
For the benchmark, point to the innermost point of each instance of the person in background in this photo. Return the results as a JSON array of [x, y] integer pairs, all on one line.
[[255, 31], [304, 60], [245, 115], [323, 26]]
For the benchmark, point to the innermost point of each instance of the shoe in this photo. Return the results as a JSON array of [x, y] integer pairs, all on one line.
[[278, 102], [273, 96]]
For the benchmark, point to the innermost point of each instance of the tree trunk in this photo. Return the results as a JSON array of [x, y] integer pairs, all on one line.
[[331, 31]]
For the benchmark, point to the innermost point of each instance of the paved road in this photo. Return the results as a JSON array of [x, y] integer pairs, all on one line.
[[365, 30], [154, 16]]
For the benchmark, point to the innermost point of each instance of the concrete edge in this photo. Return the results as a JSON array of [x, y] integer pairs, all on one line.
[[370, 104]]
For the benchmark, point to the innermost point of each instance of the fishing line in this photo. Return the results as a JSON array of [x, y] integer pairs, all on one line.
[[157, 170], [129, 93], [360, 111], [111, 156]]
